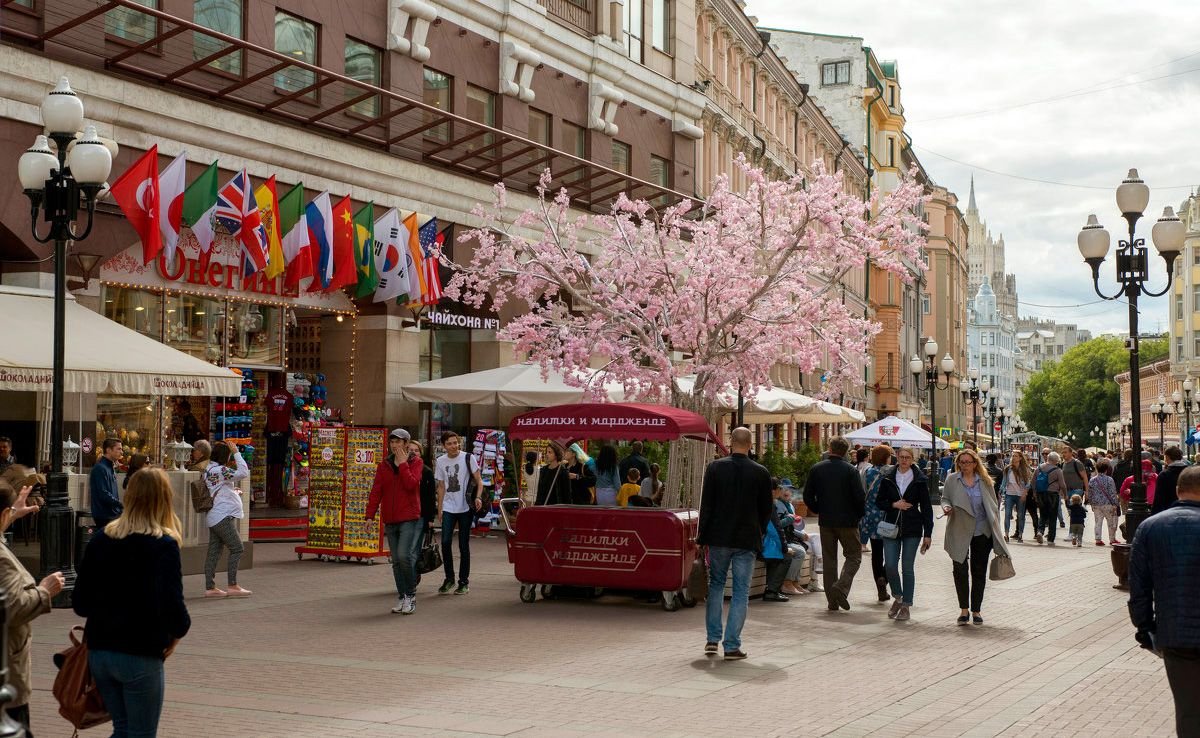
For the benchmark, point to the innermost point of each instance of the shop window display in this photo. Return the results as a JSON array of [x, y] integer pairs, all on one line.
[[257, 335], [195, 325], [139, 310], [445, 353], [132, 419]]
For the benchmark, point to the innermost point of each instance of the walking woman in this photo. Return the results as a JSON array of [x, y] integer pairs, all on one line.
[[904, 497], [130, 589], [1102, 496], [222, 519], [867, 525], [1018, 483], [608, 477], [972, 531], [554, 483]]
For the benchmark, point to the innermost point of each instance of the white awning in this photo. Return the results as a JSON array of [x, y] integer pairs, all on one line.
[[516, 385], [101, 356]]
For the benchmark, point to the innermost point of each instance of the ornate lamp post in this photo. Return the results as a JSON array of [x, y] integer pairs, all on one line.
[[1161, 411], [971, 395], [1133, 271], [1185, 402], [1005, 417], [54, 182], [930, 369], [996, 412]]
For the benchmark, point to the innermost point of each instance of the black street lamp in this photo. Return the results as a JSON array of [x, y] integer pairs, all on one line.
[[1185, 402], [54, 181], [1005, 418], [971, 395], [927, 366], [996, 407], [1161, 411], [1133, 270]]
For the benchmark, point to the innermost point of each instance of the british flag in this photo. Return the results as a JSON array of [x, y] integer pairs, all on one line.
[[431, 251], [237, 212]]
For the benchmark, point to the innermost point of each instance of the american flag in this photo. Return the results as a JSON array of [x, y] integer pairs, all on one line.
[[431, 250]]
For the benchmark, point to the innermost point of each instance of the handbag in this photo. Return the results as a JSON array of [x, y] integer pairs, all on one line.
[[202, 498], [78, 699], [697, 583], [890, 531], [430, 558], [1001, 568]]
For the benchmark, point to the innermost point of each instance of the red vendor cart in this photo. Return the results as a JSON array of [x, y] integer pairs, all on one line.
[[625, 548]]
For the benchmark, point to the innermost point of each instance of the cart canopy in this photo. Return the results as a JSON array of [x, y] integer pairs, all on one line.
[[623, 420]]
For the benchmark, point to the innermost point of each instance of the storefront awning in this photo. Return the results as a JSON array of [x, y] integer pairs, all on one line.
[[101, 356], [517, 385]]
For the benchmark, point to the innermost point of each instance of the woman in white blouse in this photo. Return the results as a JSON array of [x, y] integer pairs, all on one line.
[[222, 482]]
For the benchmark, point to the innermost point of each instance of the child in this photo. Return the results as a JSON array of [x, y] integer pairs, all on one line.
[[631, 488], [1078, 516]]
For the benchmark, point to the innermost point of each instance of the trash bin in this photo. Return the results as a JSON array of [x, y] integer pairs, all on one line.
[[85, 528]]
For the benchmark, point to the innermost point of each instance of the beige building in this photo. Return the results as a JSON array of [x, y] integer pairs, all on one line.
[[945, 296], [1042, 340]]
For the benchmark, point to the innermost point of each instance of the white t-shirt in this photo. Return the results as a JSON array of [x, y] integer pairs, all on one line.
[[903, 479], [455, 475]]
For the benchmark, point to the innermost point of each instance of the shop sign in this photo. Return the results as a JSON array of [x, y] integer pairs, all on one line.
[[581, 548], [452, 317]]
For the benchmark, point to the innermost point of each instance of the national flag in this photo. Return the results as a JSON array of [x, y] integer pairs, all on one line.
[[428, 236], [237, 212], [345, 271], [230, 200], [136, 191], [391, 257], [415, 287], [319, 215], [364, 252], [171, 183], [200, 207], [268, 207], [297, 244]]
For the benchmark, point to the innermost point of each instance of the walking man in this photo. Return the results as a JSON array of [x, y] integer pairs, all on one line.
[[396, 495], [460, 496], [102, 484], [834, 491], [735, 505], [1049, 485], [1165, 488], [1075, 474], [1164, 596]]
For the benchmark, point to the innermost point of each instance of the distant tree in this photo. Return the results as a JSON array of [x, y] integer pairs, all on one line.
[[1078, 392]]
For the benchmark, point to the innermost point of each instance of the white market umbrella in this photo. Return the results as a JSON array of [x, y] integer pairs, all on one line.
[[894, 432], [516, 385]]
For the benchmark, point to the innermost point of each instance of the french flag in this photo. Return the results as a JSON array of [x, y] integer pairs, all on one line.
[[319, 214]]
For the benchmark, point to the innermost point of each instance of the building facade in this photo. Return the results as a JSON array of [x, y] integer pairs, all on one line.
[[985, 259], [1185, 296], [945, 290], [1042, 340], [1155, 382], [992, 336]]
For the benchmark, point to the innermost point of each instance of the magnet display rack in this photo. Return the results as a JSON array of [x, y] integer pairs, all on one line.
[[341, 466]]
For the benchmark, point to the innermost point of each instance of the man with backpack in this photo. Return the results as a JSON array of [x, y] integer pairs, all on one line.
[[1049, 485]]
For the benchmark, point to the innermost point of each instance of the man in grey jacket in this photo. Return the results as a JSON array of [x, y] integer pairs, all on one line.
[[1049, 485], [1164, 591], [834, 491]]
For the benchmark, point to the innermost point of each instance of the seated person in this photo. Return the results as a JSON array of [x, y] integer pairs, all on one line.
[[631, 488], [775, 553], [811, 544]]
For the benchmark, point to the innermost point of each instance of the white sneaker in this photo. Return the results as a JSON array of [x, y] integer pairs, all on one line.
[[408, 606], [401, 603]]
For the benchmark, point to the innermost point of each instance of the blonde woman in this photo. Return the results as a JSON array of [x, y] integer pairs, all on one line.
[[972, 531], [130, 589], [1017, 484]]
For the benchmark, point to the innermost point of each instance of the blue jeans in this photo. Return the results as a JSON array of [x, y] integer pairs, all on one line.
[[720, 559], [417, 543], [893, 550], [401, 538], [1014, 502], [132, 689], [463, 521]]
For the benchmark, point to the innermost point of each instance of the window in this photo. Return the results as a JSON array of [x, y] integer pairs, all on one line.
[[539, 127], [633, 29], [835, 73], [622, 155], [1178, 348], [222, 16], [363, 63], [1178, 307], [1195, 344], [1195, 257], [574, 139], [891, 152], [925, 305], [296, 38], [481, 108], [1196, 298], [132, 25], [436, 92], [660, 20], [891, 96], [660, 174]]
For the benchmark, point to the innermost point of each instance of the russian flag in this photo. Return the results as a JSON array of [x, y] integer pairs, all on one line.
[[319, 214]]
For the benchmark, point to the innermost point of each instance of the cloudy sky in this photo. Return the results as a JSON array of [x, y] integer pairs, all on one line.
[[1123, 85]]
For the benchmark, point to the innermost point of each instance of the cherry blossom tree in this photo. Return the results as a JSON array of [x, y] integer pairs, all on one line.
[[747, 281]]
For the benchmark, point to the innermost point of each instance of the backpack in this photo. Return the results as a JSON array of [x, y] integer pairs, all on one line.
[[1041, 483]]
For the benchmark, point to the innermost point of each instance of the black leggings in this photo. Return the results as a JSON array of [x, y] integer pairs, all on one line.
[[977, 564], [878, 570]]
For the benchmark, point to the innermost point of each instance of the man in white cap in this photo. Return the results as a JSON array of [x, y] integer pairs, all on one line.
[[396, 495]]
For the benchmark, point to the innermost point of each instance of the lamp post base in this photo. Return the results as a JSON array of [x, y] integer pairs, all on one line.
[[57, 531], [1119, 556]]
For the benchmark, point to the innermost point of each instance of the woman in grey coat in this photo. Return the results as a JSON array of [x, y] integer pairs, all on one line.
[[973, 531]]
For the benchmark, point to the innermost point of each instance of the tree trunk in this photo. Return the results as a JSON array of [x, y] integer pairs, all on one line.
[[688, 458]]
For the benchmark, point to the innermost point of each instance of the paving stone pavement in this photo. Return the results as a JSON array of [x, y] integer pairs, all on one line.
[[316, 652]]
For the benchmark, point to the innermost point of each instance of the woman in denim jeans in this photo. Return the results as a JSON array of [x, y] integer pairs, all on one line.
[[1017, 483], [130, 589], [904, 498]]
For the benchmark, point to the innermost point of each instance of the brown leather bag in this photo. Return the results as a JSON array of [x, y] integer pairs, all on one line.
[[78, 699]]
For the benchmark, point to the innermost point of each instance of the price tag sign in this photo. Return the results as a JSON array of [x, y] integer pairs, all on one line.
[[364, 456]]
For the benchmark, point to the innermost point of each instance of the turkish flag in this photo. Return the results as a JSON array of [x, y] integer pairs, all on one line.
[[136, 191]]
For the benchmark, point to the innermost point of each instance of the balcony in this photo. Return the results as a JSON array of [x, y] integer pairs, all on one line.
[[579, 14], [176, 57]]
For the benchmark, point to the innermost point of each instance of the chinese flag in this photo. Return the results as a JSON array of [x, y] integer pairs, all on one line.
[[345, 269], [136, 191]]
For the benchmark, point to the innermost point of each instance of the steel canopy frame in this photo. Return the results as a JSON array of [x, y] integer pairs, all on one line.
[[319, 100]]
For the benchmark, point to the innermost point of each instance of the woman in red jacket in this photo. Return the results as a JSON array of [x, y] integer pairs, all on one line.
[[396, 496]]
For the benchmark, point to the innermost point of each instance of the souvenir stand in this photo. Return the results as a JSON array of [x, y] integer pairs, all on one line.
[[625, 548], [342, 465]]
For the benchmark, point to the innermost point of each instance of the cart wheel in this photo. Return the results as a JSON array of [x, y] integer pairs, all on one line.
[[670, 602], [528, 593], [299, 557], [547, 592], [686, 599], [370, 562]]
